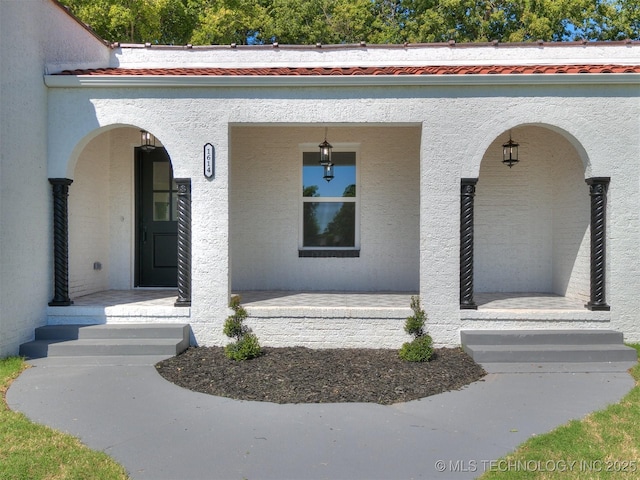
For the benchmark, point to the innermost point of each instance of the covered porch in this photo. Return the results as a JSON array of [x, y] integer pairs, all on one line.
[[528, 240]]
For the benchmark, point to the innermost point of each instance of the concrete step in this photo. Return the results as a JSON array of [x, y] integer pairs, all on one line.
[[540, 337], [76, 332], [107, 340], [550, 353], [546, 346]]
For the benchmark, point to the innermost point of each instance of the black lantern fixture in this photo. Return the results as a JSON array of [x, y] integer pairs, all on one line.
[[325, 151], [510, 152], [325, 158], [147, 141], [328, 172]]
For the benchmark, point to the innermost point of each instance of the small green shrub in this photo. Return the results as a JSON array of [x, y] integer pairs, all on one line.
[[233, 326], [246, 345], [420, 349], [244, 349]]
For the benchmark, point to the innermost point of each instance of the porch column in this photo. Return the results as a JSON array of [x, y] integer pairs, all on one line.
[[60, 241], [468, 192], [598, 190], [184, 242]]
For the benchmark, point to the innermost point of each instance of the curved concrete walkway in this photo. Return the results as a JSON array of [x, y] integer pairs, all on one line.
[[160, 431]]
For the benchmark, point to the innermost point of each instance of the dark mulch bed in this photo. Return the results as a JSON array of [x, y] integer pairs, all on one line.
[[302, 375]]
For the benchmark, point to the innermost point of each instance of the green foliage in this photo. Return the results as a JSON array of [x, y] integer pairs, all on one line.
[[163, 22], [244, 349], [420, 349], [415, 323], [204, 22], [246, 345], [234, 326], [231, 21]]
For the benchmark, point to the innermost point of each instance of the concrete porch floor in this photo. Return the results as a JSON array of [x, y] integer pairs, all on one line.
[[137, 297], [277, 298], [526, 301]]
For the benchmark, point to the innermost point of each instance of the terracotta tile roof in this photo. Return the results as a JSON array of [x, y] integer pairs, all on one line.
[[346, 71]]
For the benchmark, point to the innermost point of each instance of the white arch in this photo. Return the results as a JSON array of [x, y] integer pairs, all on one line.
[[59, 168], [494, 131]]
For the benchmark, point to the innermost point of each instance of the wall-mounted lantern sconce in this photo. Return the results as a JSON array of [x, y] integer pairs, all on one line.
[[510, 152], [325, 158], [147, 141]]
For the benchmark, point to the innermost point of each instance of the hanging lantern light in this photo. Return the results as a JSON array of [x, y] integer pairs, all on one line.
[[325, 151], [147, 141], [510, 152]]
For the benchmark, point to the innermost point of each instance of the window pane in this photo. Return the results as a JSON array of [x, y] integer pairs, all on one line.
[[161, 175], [161, 204], [174, 208], [343, 183], [329, 224]]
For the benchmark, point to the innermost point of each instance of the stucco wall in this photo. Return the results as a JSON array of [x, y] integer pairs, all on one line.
[[571, 218], [266, 202], [141, 56], [89, 219], [33, 34], [122, 206]]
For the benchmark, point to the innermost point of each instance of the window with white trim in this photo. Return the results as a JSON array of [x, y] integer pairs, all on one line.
[[329, 209]]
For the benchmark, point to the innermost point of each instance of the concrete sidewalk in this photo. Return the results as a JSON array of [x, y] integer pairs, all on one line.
[[159, 431]]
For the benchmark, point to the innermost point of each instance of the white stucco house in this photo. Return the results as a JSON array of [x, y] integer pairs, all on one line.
[[233, 198]]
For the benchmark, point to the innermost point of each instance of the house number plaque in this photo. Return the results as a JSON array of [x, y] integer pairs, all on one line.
[[209, 161]]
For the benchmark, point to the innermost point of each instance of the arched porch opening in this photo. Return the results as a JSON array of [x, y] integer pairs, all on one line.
[[532, 220], [121, 207]]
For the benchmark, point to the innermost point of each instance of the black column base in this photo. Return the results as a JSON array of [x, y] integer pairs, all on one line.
[[596, 307], [182, 303], [468, 306], [60, 303]]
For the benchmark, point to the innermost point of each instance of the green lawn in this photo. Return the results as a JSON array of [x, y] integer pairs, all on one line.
[[605, 444], [32, 452]]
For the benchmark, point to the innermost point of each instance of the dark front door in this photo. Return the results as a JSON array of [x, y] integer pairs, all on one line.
[[157, 233]]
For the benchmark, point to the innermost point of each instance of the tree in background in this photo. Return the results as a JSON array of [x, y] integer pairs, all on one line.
[[203, 22], [164, 22], [615, 20], [222, 22], [503, 20]]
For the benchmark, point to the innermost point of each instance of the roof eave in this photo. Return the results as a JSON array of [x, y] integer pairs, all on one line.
[[172, 81]]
